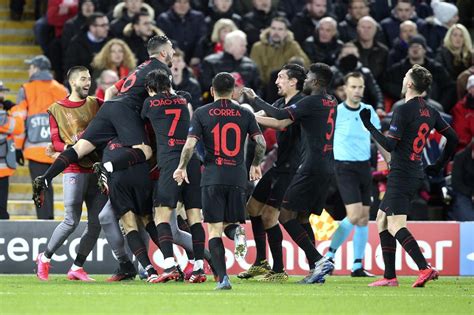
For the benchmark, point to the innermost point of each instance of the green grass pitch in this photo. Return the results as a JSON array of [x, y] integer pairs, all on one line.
[[343, 295]]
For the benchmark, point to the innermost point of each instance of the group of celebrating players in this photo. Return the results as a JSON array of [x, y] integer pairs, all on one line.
[[143, 109]]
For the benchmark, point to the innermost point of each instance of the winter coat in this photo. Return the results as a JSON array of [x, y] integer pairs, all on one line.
[[322, 52], [374, 58], [255, 21]]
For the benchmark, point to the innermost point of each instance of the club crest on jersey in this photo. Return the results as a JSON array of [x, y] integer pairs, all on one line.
[[424, 112], [171, 142], [219, 161], [227, 112]]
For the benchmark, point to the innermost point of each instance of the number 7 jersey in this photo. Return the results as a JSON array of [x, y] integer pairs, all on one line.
[[410, 126], [223, 127]]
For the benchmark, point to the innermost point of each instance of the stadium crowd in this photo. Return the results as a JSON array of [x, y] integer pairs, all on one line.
[[253, 39]]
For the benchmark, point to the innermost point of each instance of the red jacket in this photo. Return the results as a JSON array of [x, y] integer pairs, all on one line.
[[59, 11], [463, 123]]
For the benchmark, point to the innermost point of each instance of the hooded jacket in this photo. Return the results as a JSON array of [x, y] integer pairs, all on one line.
[[270, 57]]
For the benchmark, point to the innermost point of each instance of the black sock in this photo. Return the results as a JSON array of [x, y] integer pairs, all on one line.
[[80, 260], [165, 238], [309, 230], [275, 239], [127, 265], [410, 245], [229, 231], [389, 248], [64, 159], [218, 256], [183, 224], [48, 254], [199, 237], [153, 232], [260, 239], [299, 235], [138, 248], [123, 259], [127, 158]]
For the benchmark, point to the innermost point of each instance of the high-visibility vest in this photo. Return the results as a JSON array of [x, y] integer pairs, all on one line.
[[39, 95], [9, 126]]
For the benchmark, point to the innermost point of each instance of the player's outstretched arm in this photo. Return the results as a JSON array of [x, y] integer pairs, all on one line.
[[387, 143], [180, 173], [273, 123], [259, 104]]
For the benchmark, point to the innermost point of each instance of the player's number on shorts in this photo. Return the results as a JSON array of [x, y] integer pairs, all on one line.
[[174, 123], [127, 85], [330, 122], [220, 139], [419, 142]]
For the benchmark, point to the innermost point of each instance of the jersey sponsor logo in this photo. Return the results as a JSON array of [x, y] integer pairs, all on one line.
[[221, 161], [172, 142], [167, 101], [424, 112], [114, 146], [328, 103], [226, 112]]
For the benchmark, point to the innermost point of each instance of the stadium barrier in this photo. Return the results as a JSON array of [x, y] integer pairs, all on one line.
[[448, 246]]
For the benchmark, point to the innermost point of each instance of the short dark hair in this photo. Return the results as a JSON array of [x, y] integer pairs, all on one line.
[[223, 83], [136, 17], [351, 2], [91, 19], [283, 20], [421, 77], [155, 43], [73, 70], [406, 1], [157, 81], [323, 73], [355, 74], [294, 71]]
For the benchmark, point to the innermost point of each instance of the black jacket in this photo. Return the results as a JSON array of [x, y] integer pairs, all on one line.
[[190, 85], [446, 59], [374, 58], [214, 16], [71, 28], [322, 52], [302, 26], [255, 21], [463, 172], [81, 51]]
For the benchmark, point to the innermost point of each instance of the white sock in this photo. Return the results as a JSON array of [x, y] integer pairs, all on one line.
[[191, 261], [109, 167], [75, 267], [169, 262], [199, 264], [44, 259]]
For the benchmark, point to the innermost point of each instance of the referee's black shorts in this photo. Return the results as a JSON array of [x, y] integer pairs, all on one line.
[[354, 181], [223, 203], [272, 187], [399, 194]]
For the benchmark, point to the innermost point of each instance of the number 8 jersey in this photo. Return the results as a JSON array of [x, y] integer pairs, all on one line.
[[411, 124], [223, 127]]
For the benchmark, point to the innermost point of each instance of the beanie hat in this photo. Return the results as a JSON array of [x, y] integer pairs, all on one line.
[[443, 11]]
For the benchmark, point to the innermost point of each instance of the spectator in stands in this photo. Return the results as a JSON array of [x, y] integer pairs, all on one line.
[[106, 79], [463, 116], [373, 54], [258, 19], [463, 77], [442, 88], [403, 11], [115, 56], [291, 7], [399, 48], [183, 79], [184, 26], [445, 15], [34, 99], [221, 9], [232, 59], [323, 45], [59, 11], [305, 22], [348, 61], [455, 54], [137, 34], [275, 47], [73, 26], [214, 43], [466, 12], [124, 12], [10, 125], [348, 27], [463, 185], [89, 42]]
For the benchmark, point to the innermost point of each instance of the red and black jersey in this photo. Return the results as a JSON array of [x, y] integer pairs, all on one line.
[[317, 116], [169, 116], [223, 127], [411, 124], [132, 92]]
